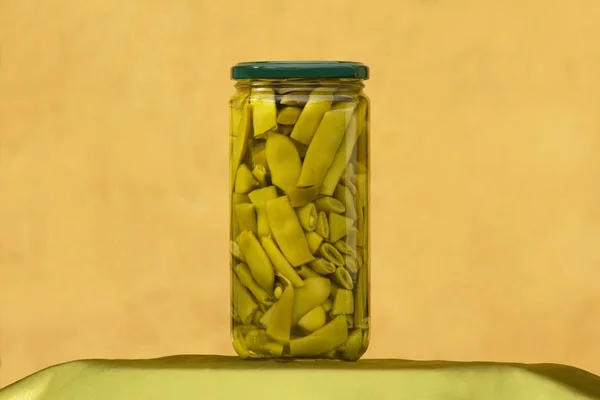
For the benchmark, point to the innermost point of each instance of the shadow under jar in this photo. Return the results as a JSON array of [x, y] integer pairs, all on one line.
[[299, 196]]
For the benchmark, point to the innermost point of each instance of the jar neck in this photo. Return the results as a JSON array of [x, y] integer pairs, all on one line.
[[349, 85]]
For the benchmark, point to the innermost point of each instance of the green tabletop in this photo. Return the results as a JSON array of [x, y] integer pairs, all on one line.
[[221, 377]]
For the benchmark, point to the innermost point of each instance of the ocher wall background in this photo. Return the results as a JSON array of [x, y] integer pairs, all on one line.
[[113, 173]]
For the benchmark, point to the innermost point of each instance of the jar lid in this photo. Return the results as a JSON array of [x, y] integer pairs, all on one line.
[[299, 69]]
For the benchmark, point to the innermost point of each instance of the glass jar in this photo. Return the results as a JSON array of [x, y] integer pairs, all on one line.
[[299, 195]]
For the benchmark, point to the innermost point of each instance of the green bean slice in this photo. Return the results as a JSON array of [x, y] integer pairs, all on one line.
[[280, 262], [318, 104], [257, 260], [313, 320], [280, 322], [264, 111], [308, 217], [338, 226], [314, 293], [244, 180], [329, 204], [343, 303], [321, 341]]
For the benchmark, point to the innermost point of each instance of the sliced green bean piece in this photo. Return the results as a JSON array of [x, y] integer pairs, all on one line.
[[327, 306], [280, 262], [345, 248], [322, 266], [308, 216], [338, 226], [351, 349], [288, 115], [245, 276], [244, 180], [286, 130], [264, 111], [351, 238], [350, 320], [236, 252], [344, 152], [314, 240], [243, 302], [323, 147], [343, 195], [360, 302], [284, 161], [239, 344], [330, 204], [259, 154], [241, 132], [361, 188], [260, 174], [342, 277], [351, 186], [265, 320], [306, 272], [334, 288], [256, 317], [294, 99], [258, 342], [351, 265], [258, 261], [287, 231], [321, 341], [331, 254], [280, 323], [349, 174], [344, 302], [239, 199], [302, 148], [259, 198], [322, 227], [245, 215], [319, 102], [302, 196], [314, 293], [313, 320]]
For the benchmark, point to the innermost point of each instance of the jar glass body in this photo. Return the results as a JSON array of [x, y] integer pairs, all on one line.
[[299, 212]]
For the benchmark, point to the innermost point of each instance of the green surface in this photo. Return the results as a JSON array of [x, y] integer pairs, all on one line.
[[220, 377], [299, 69]]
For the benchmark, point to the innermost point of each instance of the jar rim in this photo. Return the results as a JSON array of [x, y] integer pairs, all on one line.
[[299, 69]]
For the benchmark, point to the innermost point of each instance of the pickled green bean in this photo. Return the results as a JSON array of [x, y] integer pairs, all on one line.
[[343, 303], [239, 142], [342, 277], [306, 272], [308, 216], [245, 276], [284, 161], [237, 198], [244, 180], [321, 341], [260, 174], [319, 102], [288, 115], [302, 196], [323, 147], [257, 260], [280, 322], [329, 204], [351, 265], [259, 342], [243, 302], [259, 154], [345, 248], [361, 187], [314, 240], [314, 293], [259, 198], [245, 215], [322, 227], [338, 226], [351, 186], [239, 344], [331, 254], [344, 152], [322, 266], [313, 320], [236, 252], [351, 349], [344, 196], [360, 302], [264, 111], [287, 231], [328, 305], [280, 263]]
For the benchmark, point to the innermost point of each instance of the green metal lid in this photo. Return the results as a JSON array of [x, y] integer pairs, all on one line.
[[299, 69]]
